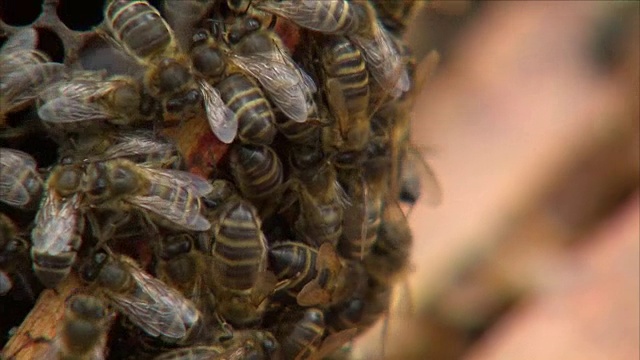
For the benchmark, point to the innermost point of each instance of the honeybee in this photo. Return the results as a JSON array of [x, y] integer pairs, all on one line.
[[83, 334], [294, 264], [170, 196], [20, 182], [361, 310], [305, 338], [147, 302], [332, 282], [319, 196], [183, 266], [143, 33], [396, 15], [246, 344], [24, 71], [362, 217], [240, 92], [257, 171], [358, 21], [346, 89], [90, 98], [389, 256], [56, 237], [239, 251], [13, 254], [259, 52]]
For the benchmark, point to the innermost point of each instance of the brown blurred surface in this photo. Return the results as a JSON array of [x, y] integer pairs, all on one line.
[[535, 144]]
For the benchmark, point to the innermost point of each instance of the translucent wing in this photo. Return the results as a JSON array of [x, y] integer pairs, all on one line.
[[82, 86], [25, 39], [311, 14], [18, 60], [418, 180], [63, 110], [56, 224], [200, 352], [174, 199], [155, 307], [5, 283], [14, 165], [23, 86], [383, 60], [288, 86], [334, 342], [222, 120], [197, 184], [137, 143]]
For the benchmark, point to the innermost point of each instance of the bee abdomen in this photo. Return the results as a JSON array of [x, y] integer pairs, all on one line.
[[257, 169], [294, 261], [255, 118], [139, 26]]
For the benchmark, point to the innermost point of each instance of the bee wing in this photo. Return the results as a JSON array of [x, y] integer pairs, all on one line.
[[12, 189], [137, 143], [383, 60], [159, 311], [199, 352], [5, 283], [305, 13], [174, 199], [328, 258], [22, 58], [222, 120], [313, 294], [64, 109], [22, 86], [333, 342], [25, 39], [56, 224], [196, 183], [288, 86]]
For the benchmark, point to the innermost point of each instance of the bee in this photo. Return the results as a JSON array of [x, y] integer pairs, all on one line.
[[294, 264], [56, 237], [140, 146], [246, 344], [357, 20], [239, 251], [90, 98], [257, 171], [331, 282], [319, 196], [259, 52], [147, 302], [304, 338], [20, 182], [256, 122], [396, 15], [389, 256], [83, 333], [183, 266], [346, 88], [143, 33], [170, 196], [361, 310], [362, 218], [24, 71], [13, 254]]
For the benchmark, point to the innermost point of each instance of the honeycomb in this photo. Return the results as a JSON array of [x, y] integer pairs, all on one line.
[[348, 270]]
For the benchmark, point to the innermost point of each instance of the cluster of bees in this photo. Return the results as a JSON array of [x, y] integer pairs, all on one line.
[[288, 249]]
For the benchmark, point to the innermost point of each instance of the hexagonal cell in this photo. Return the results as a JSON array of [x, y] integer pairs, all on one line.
[[20, 13], [81, 15], [50, 43]]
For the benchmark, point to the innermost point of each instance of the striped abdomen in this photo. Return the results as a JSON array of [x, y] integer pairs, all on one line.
[[139, 27], [354, 242], [304, 338], [293, 261], [257, 170], [246, 99], [239, 249]]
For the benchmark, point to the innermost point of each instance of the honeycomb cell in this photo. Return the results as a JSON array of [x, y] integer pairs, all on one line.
[[51, 44], [80, 15], [20, 13]]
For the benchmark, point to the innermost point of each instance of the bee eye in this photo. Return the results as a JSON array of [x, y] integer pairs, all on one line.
[[192, 97], [234, 37], [200, 37], [253, 24]]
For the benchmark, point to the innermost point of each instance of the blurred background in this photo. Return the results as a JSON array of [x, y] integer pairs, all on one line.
[[531, 123]]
